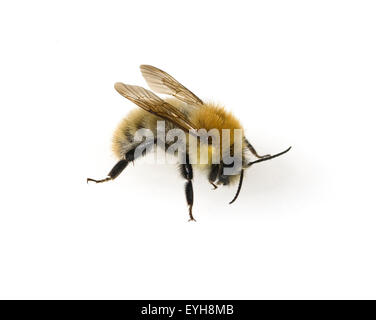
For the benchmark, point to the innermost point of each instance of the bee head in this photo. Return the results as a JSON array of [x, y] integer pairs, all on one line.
[[249, 164], [229, 173]]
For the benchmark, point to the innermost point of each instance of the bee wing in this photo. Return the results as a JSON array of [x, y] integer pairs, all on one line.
[[161, 82], [150, 102]]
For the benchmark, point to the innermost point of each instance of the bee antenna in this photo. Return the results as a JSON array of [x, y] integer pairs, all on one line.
[[268, 157], [239, 186]]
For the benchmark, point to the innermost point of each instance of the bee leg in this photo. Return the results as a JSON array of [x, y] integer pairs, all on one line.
[[115, 171], [189, 196], [187, 173], [213, 175], [130, 156], [214, 185], [253, 150]]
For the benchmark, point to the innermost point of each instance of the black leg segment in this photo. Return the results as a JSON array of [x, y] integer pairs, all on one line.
[[115, 172], [213, 175], [189, 196], [187, 173]]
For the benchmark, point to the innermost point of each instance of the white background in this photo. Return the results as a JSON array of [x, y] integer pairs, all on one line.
[[298, 73]]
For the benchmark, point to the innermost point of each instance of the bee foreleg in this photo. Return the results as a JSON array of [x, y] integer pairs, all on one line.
[[187, 173], [253, 150], [214, 185], [213, 175]]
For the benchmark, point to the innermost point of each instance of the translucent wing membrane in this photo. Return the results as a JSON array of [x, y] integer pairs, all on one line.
[[150, 102], [161, 82]]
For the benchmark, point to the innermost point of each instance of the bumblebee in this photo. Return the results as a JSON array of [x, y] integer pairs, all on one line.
[[184, 111]]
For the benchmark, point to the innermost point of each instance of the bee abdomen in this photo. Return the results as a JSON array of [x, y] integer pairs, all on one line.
[[123, 138]]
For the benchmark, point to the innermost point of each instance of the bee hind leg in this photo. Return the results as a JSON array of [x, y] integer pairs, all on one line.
[[130, 156], [115, 172]]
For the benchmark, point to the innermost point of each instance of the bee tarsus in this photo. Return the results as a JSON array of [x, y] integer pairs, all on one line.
[[214, 185], [98, 181]]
